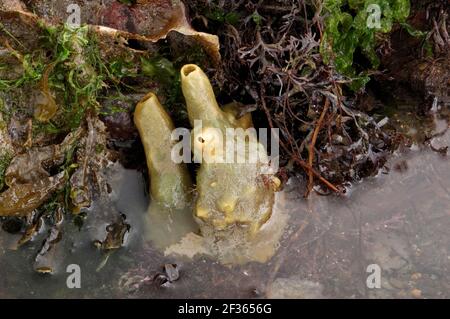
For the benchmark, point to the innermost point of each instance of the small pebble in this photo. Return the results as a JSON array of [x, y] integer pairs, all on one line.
[[172, 272], [416, 276], [416, 293]]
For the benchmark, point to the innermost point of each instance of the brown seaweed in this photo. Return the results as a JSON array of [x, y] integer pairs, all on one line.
[[116, 235], [47, 258], [22, 199], [92, 157], [35, 163], [46, 108]]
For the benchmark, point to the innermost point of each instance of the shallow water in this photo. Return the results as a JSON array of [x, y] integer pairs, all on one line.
[[399, 221]]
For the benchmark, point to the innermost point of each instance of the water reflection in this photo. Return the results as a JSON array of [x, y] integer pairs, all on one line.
[[399, 221]]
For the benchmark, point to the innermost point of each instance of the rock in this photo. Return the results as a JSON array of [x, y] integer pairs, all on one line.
[[416, 293], [295, 288]]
